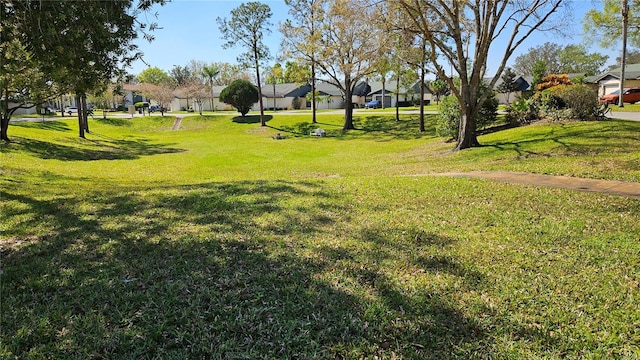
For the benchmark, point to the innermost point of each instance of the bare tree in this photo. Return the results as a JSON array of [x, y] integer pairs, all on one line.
[[161, 94], [460, 33], [348, 48], [302, 36]]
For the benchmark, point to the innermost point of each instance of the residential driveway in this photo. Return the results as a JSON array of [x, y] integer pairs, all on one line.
[[612, 187]]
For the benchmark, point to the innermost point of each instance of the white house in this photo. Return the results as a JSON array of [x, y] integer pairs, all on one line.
[[405, 94], [282, 96]]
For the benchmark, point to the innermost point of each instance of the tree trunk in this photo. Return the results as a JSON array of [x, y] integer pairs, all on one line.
[[384, 82], [313, 92], [211, 86], [398, 97], [257, 64], [85, 115], [348, 107], [623, 58], [422, 76], [467, 137], [5, 116], [4, 127], [80, 122]]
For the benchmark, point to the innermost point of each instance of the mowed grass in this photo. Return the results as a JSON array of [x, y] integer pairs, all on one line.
[[218, 241]]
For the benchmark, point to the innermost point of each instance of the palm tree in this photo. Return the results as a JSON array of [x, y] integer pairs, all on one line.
[[210, 72]]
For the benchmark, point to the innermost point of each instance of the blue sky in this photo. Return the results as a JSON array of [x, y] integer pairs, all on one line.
[[189, 31]]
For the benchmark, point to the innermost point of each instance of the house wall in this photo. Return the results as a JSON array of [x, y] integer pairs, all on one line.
[[389, 99], [610, 85], [282, 103], [29, 111], [502, 98], [359, 100], [178, 104], [334, 102]]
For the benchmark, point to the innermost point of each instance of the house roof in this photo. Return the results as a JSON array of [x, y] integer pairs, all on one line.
[[523, 83], [279, 90], [328, 89], [416, 88], [131, 87], [303, 90], [389, 87], [362, 89], [216, 90], [631, 72]]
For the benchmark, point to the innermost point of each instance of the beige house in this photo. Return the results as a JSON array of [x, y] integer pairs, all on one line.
[[609, 81]]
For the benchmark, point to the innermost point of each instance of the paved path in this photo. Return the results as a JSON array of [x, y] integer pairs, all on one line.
[[634, 116], [621, 188], [177, 123]]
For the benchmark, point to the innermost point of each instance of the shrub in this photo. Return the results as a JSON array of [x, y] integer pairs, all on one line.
[[448, 117], [241, 94], [522, 111], [449, 114], [296, 103], [582, 101], [564, 102], [553, 80], [488, 113]]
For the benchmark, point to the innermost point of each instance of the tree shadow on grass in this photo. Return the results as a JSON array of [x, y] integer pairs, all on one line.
[[380, 128], [47, 125], [611, 137], [109, 149], [388, 129], [251, 119], [114, 121], [222, 270], [304, 129]]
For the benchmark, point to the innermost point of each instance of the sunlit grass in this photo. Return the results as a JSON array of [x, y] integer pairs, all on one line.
[[218, 241]]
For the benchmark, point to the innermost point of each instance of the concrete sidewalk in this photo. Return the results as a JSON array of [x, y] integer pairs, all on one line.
[[612, 187], [633, 116]]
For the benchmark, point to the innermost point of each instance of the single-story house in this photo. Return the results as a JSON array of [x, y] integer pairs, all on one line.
[[406, 94], [282, 96], [332, 96], [609, 81], [132, 94], [523, 83], [182, 101]]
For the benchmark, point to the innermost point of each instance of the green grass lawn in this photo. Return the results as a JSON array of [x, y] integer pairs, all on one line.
[[218, 241], [627, 107]]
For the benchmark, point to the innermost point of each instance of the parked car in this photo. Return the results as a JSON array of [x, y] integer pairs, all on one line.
[[373, 104], [71, 110], [630, 95], [153, 108]]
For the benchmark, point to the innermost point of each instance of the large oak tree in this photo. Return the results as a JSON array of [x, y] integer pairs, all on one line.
[[460, 34]]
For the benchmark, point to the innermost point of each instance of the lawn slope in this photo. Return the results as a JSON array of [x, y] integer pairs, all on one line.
[[218, 241]]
